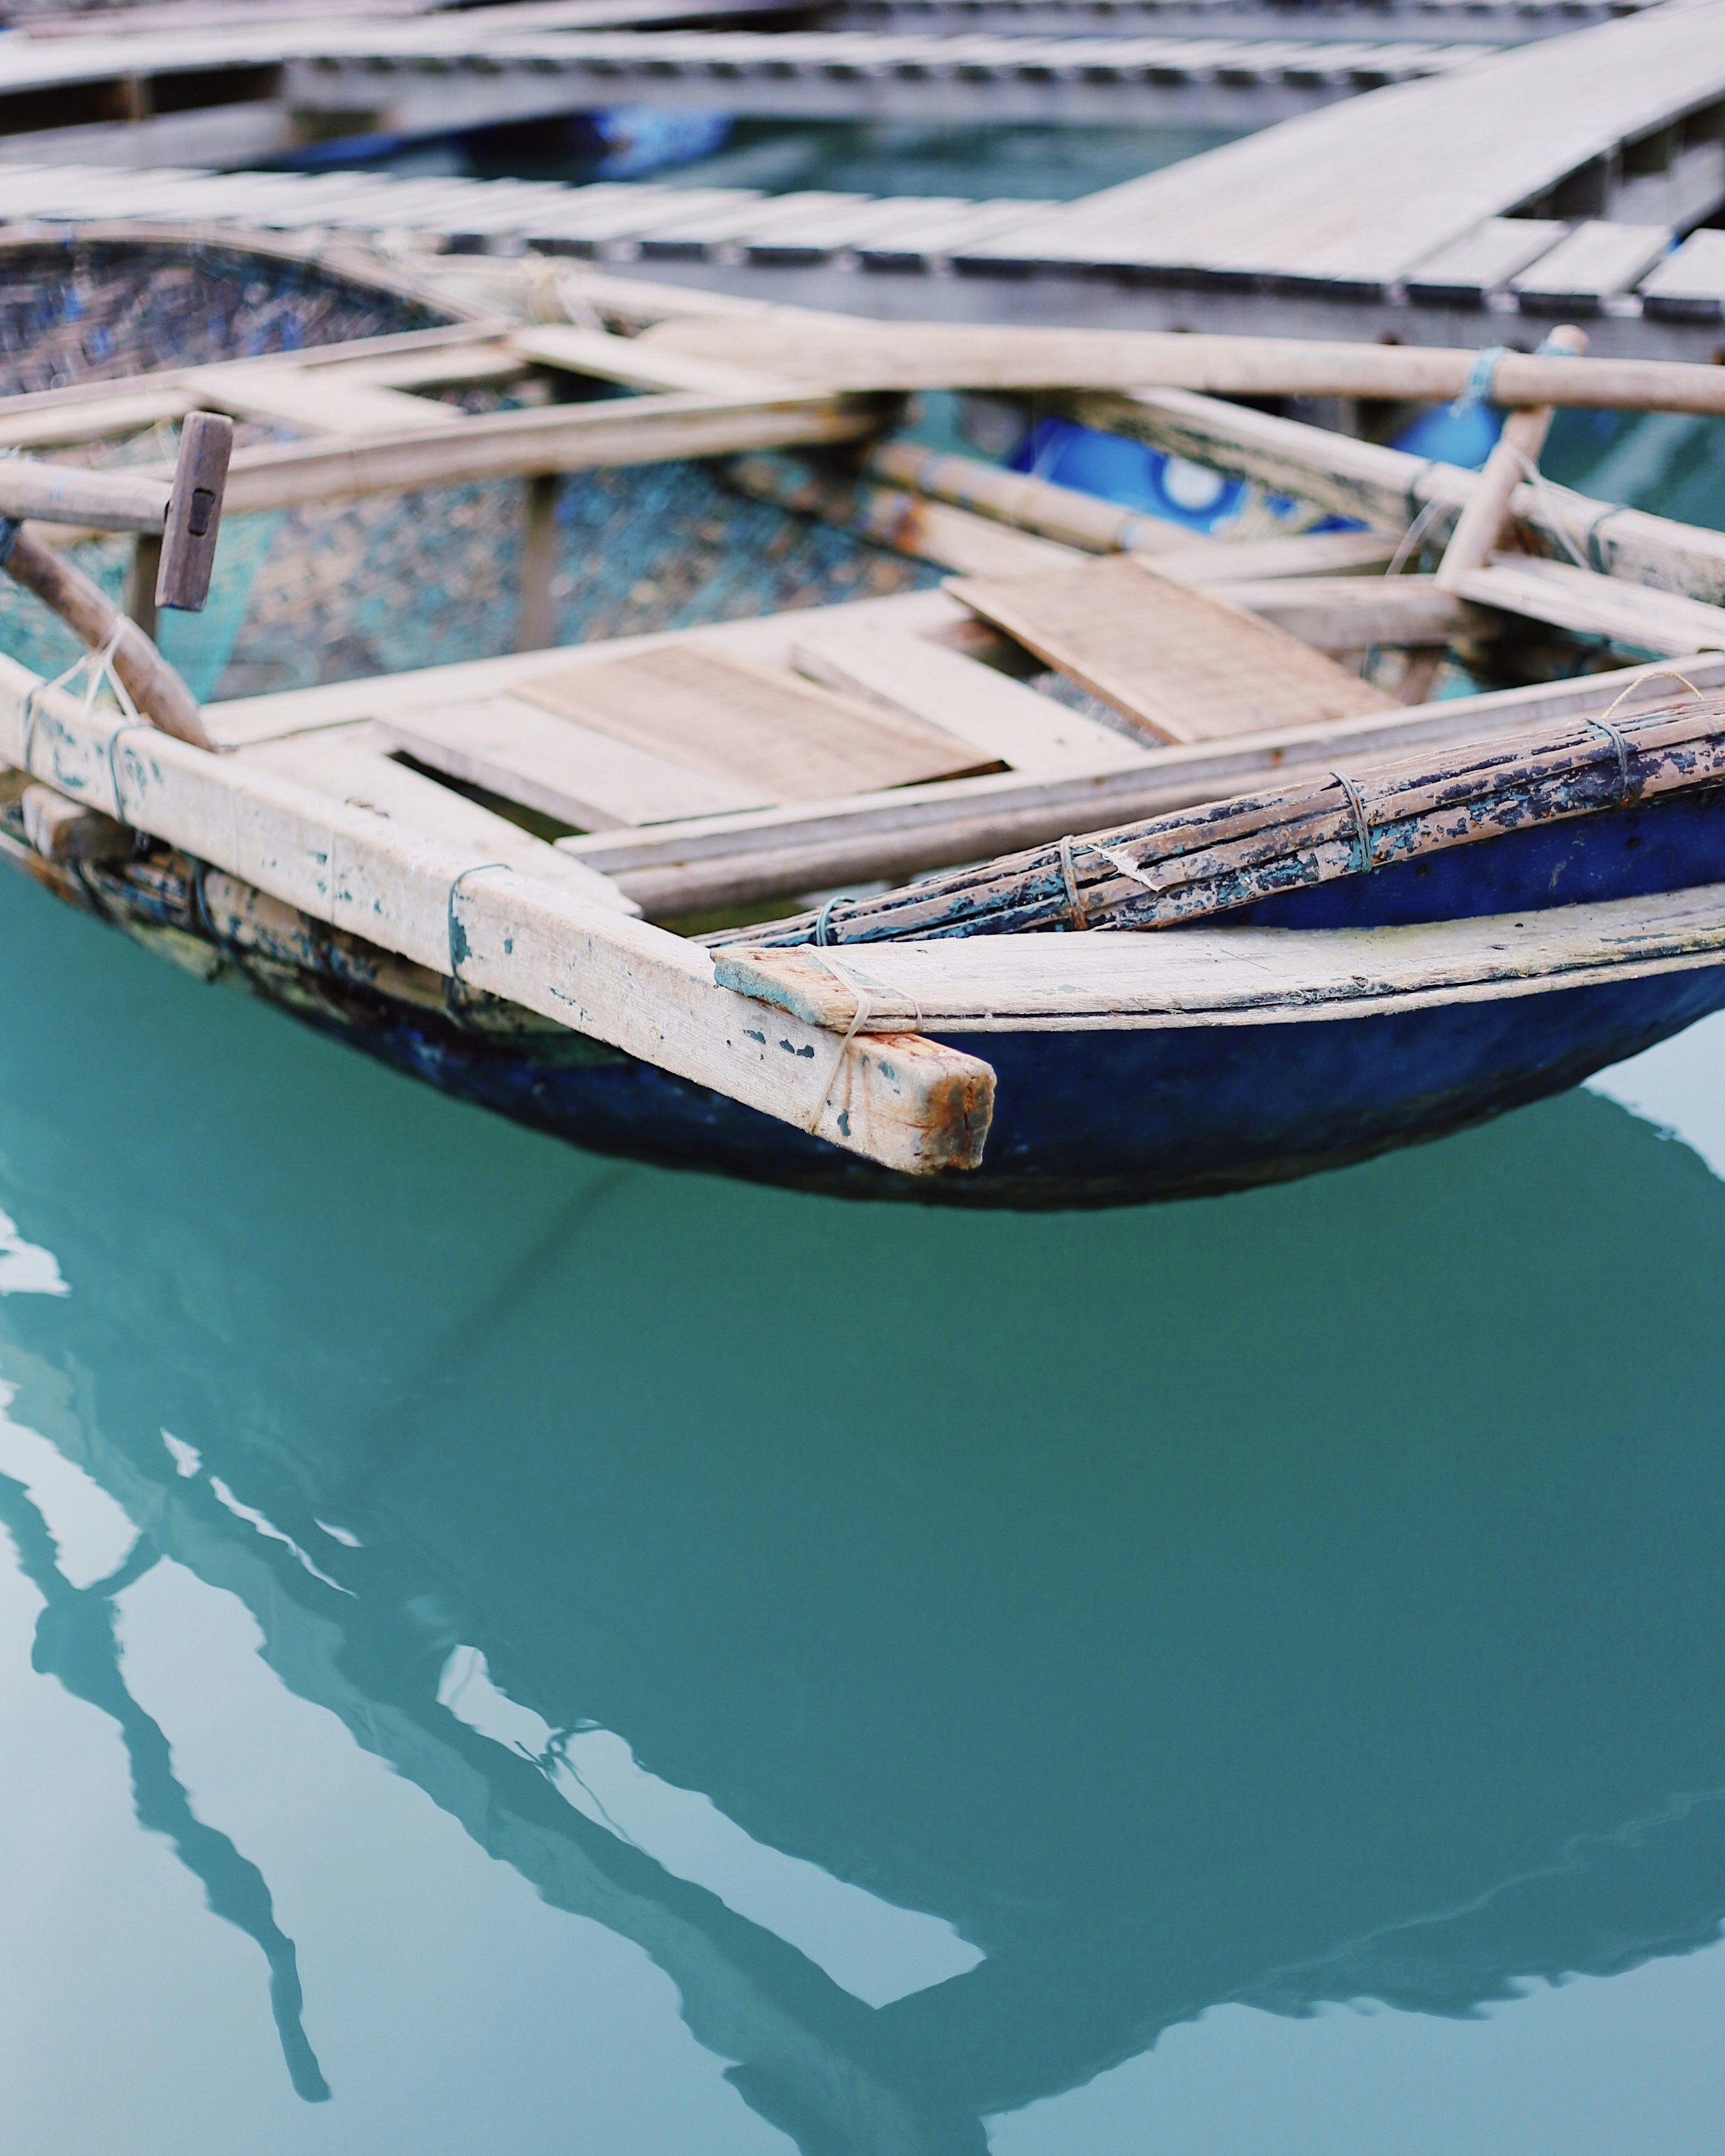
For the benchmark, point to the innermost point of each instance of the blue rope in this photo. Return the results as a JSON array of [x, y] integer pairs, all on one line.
[[1477, 389]]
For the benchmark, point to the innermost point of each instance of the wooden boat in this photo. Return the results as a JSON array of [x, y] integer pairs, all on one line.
[[544, 880]]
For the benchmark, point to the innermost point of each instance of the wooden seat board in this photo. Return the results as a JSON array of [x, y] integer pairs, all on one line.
[[1177, 661], [781, 738], [1001, 717], [579, 774]]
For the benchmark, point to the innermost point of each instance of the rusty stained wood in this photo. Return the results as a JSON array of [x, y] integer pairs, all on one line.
[[1184, 665]]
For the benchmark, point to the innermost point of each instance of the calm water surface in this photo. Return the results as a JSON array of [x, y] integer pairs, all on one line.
[[499, 1648]]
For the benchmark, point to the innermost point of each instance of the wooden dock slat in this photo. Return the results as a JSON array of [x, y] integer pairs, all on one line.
[[1689, 285], [765, 731], [1362, 195], [1595, 263], [1184, 665], [1483, 260]]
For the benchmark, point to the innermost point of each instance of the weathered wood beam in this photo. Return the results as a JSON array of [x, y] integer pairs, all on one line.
[[1390, 488], [1234, 976], [905, 1101], [525, 445], [843, 353], [741, 860]]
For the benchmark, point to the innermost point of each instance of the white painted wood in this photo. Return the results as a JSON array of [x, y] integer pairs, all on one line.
[[1128, 980], [353, 764], [907, 1102]]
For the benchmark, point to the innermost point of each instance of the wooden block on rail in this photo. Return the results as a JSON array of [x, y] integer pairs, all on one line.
[[1184, 665], [755, 727]]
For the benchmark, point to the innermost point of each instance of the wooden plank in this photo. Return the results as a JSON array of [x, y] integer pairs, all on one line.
[[353, 764], [1574, 598], [1302, 554], [1594, 264], [738, 860], [768, 733], [1176, 661], [579, 774], [522, 445], [890, 517], [1462, 274], [839, 352], [1351, 613], [909, 1103], [1006, 721], [1238, 976], [320, 403], [1060, 513], [599, 356]]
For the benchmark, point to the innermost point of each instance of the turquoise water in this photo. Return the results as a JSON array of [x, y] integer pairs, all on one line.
[[500, 1648], [552, 1653]]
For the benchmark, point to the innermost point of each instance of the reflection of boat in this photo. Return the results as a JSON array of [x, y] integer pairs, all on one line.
[[1196, 1708], [1396, 916]]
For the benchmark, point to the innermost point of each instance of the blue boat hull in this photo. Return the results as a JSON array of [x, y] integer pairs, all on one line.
[[1112, 1118], [1117, 1118], [1104, 1118]]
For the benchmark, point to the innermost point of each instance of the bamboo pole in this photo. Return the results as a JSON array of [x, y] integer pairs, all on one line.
[[1514, 457], [153, 686], [1229, 854], [841, 353]]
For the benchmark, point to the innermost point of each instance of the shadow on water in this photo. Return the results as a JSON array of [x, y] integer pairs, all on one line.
[[1306, 1596]]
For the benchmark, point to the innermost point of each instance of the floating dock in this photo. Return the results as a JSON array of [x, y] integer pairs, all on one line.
[[1564, 176]]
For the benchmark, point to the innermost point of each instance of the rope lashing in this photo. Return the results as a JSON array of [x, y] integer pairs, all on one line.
[[1476, 390], [1362, 822], [1080, 919], [1603, 725], [824, 922], [858, 1018]]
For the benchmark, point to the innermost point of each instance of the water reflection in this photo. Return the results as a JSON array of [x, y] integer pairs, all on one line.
[[1312, 1595]]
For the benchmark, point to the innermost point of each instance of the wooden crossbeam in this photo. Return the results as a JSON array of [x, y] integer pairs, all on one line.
[[905, 1101]]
